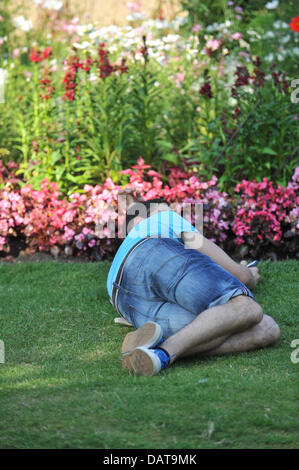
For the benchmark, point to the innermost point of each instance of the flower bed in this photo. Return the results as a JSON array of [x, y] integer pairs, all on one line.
[[258, 220]]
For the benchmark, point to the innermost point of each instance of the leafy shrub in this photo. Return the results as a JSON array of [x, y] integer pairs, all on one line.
[[262, 220], [267, 217]]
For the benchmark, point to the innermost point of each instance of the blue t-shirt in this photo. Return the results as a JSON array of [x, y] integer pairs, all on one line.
[[166, 224]]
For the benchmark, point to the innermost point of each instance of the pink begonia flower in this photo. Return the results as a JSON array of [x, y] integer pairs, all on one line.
[[236, 36], [2, 243], [3, 226], [92, 243], [86, 231], [68, 233], [180, 77], [80, 237], [18, 219], [244, 54], [16, 53], [213, 44], [69, 216], [134, 6], [71, 27], [197, 28]]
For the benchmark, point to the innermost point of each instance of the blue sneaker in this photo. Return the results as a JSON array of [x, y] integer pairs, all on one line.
[[144, 361]]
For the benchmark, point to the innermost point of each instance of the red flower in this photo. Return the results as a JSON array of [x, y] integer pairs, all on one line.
[[206, 90], [236, 113], [105, 68], [70, 78], [47, 52], [87, 64], [242, 79], [294, 25], [35, 56], [258, 78]]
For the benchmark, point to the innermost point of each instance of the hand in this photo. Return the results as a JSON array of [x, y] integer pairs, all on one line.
[[253, 275]]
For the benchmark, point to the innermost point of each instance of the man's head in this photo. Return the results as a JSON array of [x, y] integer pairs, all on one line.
[[141, 210]]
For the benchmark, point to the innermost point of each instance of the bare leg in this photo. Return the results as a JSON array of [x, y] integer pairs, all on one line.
[[264, 333], [215, 324]]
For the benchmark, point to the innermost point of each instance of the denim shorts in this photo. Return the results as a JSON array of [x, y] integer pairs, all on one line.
[[169, 284]]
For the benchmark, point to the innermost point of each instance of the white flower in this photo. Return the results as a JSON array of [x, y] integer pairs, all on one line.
[[232, 102], [248, 89], [84, 29], [161, 60], [177, 22], [162, 24], [93, 78], [49, 4], [285, 39], [21, 23], [82, 45], [272, 5], [136, 16], [171, 38], [244, 44], [95, 34], [269, 57], [251, 32], [211, 27], [280, 24], [269, 34]]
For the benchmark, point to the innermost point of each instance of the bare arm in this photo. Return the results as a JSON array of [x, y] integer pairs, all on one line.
[[249, 276]]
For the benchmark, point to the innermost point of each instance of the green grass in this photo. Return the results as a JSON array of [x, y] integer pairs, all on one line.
[[62, 385]]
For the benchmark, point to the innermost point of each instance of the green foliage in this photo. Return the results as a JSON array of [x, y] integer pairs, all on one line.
[[203, 12], [164, 113], [276, 41], [6, 28], [145, 105], [263, 141]]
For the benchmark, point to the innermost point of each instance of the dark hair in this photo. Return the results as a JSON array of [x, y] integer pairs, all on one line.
[[135, 209]]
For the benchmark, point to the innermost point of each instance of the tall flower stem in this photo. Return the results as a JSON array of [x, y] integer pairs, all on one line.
[[36, 102], [67, 136], [106, 124]]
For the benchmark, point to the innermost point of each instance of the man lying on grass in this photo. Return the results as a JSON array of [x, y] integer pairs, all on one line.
[[184, 295]]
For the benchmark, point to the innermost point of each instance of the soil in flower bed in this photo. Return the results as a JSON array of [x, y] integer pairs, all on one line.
[[18, 254]]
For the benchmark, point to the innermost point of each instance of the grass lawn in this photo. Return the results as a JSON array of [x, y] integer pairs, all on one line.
[[62, 385]]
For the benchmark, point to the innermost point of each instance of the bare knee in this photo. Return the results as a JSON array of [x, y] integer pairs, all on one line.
[[266, 332], [250, 309], [271, 331]]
